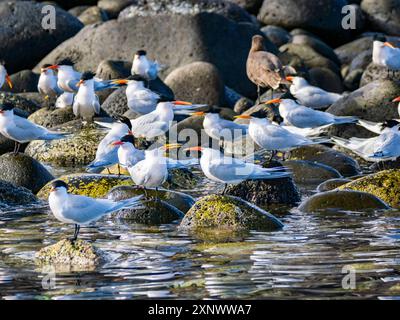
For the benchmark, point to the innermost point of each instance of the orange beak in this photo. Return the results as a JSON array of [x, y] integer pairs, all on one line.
[[277, 100], [182, 103], [119, 81], [199, 113], [117, 143], [8, 79], [243, 116], [388, 44], [80, 82], [396, 99], [289, 78], [130, 133], [53, 67], [197, 148]]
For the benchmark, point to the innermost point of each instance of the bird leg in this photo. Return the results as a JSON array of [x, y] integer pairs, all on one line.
[[146, 195], [108, 170], [119, 170], [77, 228], [258, 94], [224, 191], [272, 93], [157, 198], [16, 147]]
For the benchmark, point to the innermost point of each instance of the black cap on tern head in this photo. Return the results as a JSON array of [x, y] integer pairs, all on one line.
[[2, 62], [125, 120], [136, 77], [141, 52], [46, 65], [58, 184], [87, 75], [5, 106], [65, 62], [390, 123], [128, 138]]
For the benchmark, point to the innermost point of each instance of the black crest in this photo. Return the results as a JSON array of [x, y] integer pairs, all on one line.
[[128, 138], [390, 123], [125, 120], [141, 52], [87, 75], [6, 106], [136, 77], [65, 62], [59, 183]]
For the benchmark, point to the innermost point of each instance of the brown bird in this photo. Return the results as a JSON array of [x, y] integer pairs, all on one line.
[[264, 69]]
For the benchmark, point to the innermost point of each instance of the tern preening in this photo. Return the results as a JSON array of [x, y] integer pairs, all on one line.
[[144, 67], [227, 170], [264, 69], [86, 102], [107, 151], [22, 130], [302, 117], [4, 77], [47, 84], [311, 96], [82, 210], [386, 55]]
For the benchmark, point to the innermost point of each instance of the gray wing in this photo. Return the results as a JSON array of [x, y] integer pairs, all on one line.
[[96, 105]]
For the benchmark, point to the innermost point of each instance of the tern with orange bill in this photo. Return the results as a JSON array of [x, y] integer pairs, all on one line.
[[311, 96], [228, 170], [86, 102], [385, 54], [4, 77], [47, 84], [302, 117]]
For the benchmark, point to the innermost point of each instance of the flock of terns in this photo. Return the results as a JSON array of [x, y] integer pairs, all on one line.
[[303, 124]]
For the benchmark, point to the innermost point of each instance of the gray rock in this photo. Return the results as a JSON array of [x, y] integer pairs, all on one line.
[[342, 200], [242, 105], [326, 79], [332, 184], [374, 72], [23, 33], [93, 15], [113, 8], [24, 107], [23, 81], [76, 11], [347, 52], [6, 145], [251, 6], [383, 15], [197, 82], [277, 35], [11, 195], [50, 118], [24, 171]]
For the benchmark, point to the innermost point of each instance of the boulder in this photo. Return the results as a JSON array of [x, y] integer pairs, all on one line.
[[242, 105], [93, 15], [332, 184], [197, 82], [50, 118], [228, 213], [24, 107], [384, 184], [114, 69], [342, 200], [38, 99], [77, 148], [66, 256], [326, 79], [203, 36], [179, 200], [76, 11], [347, 52], [277, 35], [345, 165], [112, 7], [375, 72], [7, 145], [371, 102], [252, 6], [23, 81], [24, 171], [12, 195], [23, 32], [383, 15]]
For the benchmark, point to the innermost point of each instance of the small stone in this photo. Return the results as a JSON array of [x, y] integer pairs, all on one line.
[[11, 195]]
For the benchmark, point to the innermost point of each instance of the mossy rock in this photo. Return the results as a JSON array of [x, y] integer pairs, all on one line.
[[66, 255], [50, 118], [114, 170], [90, 184], [311, 173], [11, 195], [78, 148], [179, 200], [229, 213], [384, 184], [328, 156], [332, 184], [152, 212], [25, 105], [343, 200]]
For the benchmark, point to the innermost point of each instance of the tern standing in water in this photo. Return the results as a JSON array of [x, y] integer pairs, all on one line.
[[4, 77], [82, 210]]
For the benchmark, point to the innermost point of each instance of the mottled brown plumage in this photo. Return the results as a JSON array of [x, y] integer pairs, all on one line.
[[264, 69]]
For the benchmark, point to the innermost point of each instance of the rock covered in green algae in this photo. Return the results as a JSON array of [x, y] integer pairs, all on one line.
[[332, 184], [22, 170], [67, 255], [384, 184], [50, 118], [12, 195], [89, 184], [152, 212], [228, 213], [181, 201], [75, 149], [342, 200]]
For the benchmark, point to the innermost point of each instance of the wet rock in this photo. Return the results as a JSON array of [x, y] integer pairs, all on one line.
[[242, 105], [197, 82], [383, 15], [374, 72], [384, 184], [310, 173], [322, 17], [77, 148], [26, 106], [347, 52], [326, 79], [22, 170], [93, 15], [342, 200], [153, 212], [318, 153], [88, 184], [50, 118], [6, 145], [113, 8], [67, 256], [310, 57], [38, 99], [23, 81], [203, 38], [277, 35], [179, 200], [251, 6], [371, 102], [11, 195], [352, 79], [332, 184], [228, 213], [23, 32]]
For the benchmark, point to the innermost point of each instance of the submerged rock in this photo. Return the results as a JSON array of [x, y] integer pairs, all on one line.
[[342, 200], [66, 255], [332, 184], [384, 184], [152, 212], [92, 185], [181, 201], [24, 171], [11, 195], [228, 213]]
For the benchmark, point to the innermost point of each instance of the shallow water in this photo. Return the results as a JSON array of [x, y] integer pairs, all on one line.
[[305, 260]]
